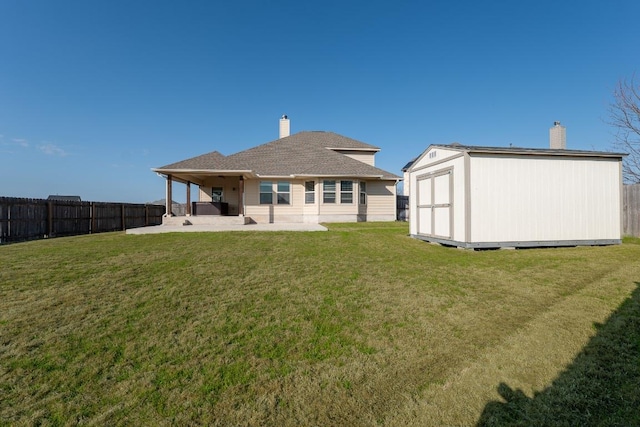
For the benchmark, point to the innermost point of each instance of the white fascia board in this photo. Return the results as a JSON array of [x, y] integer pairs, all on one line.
[[354, 149], [203, 171], [339, 176]]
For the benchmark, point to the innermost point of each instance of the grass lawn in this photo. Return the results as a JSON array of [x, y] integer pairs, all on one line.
[[360, 325]]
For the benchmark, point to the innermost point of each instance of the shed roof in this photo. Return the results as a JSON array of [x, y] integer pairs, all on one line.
[[526, 151]]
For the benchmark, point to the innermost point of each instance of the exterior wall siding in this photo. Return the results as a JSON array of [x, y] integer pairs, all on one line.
[[381, 201], [338, 212], [229, 185], [361, 156], [381, 204], [274, 212], [541, 199]]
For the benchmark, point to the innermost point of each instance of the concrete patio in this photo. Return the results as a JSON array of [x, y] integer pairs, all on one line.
[[225, 227]]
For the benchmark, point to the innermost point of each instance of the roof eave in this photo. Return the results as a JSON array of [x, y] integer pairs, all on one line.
[[376, 149], [224, 172], [543, 152], [526, 151], [333, 175]]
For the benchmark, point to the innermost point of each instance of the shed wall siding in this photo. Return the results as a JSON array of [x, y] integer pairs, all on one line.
[[542, 199], [433, 157]]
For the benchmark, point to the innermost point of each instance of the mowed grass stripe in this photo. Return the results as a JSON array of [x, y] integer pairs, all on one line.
[[527, 362], [360, 325]]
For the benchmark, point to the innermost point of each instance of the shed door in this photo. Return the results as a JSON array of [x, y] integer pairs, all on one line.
[[435, 194]]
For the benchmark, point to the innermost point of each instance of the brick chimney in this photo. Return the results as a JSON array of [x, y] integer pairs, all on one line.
[[285, 127]]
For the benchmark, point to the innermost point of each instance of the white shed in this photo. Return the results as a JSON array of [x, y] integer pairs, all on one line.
[[487, 197]]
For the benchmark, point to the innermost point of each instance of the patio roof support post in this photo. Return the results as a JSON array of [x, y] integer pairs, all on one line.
[[188, 210], [169, 197], [241, 196]]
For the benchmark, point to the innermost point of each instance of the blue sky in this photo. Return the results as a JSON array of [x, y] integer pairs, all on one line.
[[93, 94]]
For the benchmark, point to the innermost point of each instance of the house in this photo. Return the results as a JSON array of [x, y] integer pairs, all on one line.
[[487, 197], [405, 180], [305, 177]]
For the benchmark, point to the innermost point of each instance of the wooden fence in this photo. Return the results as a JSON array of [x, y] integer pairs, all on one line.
[[402, 208], [631, 210], [32, 219]]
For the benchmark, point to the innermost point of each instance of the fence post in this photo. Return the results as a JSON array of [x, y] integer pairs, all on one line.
[[50, 219], [93, 217], [123, 218]]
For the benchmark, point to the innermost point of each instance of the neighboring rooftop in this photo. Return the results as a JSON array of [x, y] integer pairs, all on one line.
[[59, 198]]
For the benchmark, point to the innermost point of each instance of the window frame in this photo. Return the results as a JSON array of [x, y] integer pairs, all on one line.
[[263, 191], [216, 191], [344, 193], [280, 193], [308, 193], [363, 192], [325, 192]]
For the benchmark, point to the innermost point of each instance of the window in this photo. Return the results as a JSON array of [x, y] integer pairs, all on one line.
[[309, 192], [346, 192], [363, 193], [329, 191], [266, 192], [283, 194], [216, 194]]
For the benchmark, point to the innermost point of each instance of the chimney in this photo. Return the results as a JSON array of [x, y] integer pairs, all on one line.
[[558, 137], [285, 129]]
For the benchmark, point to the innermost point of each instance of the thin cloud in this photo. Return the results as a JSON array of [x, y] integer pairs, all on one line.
[[122, 166], [21, 142], [14, 142], [52, 150]]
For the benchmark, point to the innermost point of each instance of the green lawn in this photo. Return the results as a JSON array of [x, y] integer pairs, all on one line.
[[360, 325]]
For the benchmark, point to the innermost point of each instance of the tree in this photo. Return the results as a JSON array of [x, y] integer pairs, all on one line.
[[625, 118]]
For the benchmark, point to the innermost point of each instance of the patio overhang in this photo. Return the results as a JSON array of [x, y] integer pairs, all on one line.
[[198, 176]]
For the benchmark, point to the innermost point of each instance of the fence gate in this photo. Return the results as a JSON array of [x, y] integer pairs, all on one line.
[[434, 204]]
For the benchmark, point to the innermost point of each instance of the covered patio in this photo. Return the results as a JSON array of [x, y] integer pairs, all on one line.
[[219, 198]]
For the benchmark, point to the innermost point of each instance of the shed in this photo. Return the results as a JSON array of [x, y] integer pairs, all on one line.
[[491, 197]]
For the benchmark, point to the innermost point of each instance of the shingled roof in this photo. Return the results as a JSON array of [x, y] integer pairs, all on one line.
[[210, 160], [301, 154]]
